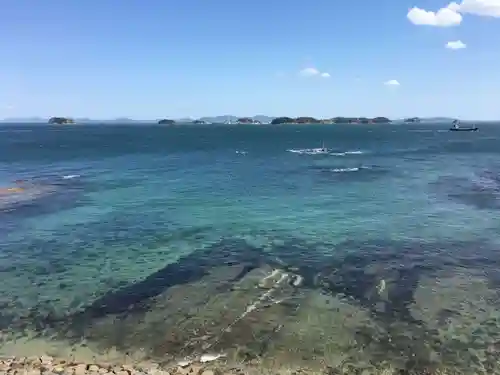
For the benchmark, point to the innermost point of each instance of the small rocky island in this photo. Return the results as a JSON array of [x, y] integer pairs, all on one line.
[[166, 122], [334, 120], [61, 120], [247, 121]]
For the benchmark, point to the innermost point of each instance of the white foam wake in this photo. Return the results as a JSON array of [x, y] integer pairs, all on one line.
[[70, 176], [309, 151], [322, 151], [342, 170]]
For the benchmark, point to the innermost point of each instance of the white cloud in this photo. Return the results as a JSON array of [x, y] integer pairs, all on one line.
[[457, 44], [487, 8], [451, 15], [392, 82], [444, 17], [309, 72], [313, 72]]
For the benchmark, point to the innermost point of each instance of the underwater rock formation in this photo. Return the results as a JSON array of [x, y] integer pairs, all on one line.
[[365, 300]]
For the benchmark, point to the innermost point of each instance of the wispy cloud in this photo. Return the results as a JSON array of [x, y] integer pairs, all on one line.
[[313, 72], [309, 72], [457, 44], [392, 82]]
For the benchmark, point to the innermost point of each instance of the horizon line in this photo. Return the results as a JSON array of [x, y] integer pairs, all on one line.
[[43, 118]]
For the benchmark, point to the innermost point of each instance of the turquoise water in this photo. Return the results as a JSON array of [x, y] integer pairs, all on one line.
[[157, 240]]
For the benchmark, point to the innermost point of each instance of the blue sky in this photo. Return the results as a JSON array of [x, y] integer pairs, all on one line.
[[165, 58]]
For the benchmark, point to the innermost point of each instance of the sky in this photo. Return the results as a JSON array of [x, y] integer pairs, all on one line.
[[155, 59]]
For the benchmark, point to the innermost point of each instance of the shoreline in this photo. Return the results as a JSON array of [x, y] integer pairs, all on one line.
[[267, 320], [48, 365]]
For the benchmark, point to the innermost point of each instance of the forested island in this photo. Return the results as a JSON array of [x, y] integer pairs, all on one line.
[[61, 120], [412, 120], [166, 122], [232, 120], [334, 120]]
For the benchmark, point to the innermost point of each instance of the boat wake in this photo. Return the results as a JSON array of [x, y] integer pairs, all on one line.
[[350, 172], [323, 151], [343, 170], [355, 152], [70, 176]]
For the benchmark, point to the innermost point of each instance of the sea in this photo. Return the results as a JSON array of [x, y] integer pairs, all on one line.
[[361, 248]]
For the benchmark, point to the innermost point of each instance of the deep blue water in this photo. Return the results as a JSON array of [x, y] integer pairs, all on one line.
[[123, 233]]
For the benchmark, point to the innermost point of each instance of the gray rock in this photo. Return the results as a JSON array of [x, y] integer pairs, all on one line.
[[93, 368], [80, 369]]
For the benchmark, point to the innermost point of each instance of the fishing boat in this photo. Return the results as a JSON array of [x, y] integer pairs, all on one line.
[[456, 127], [323, 148]]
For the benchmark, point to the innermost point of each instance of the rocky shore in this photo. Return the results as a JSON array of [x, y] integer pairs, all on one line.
[[47, 365]]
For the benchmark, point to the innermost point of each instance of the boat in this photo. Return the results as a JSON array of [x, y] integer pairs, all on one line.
[[456, 127], [323, 148]]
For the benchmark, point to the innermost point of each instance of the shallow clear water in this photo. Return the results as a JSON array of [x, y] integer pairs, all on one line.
[[158, 239]]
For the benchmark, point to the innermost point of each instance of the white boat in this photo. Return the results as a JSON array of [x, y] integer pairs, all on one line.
[[323, 148]]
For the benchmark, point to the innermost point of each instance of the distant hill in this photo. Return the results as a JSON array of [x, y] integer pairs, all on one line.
[[426, 119], [219, 119], [80, 120], [263, 119], [24, 119], [184, 120], [436, 119], [114, 121]]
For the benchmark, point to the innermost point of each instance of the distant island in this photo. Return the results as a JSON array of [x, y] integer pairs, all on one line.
[[412, 119], [61, 120], [248, 120], [238, 121], [229, 120], [166, 122], [335, 120]]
